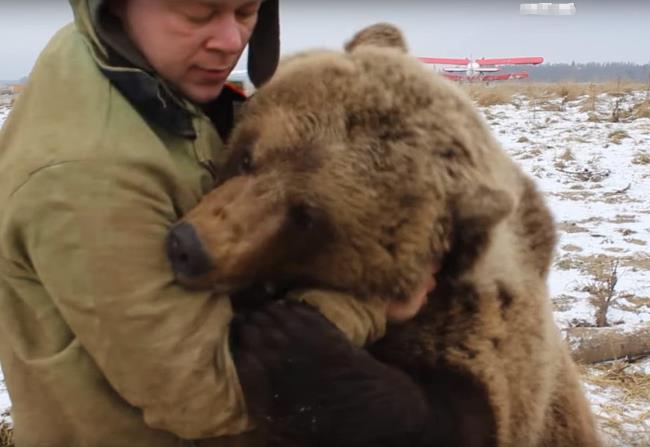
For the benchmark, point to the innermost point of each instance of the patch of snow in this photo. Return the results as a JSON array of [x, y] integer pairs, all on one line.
[[600, 196], [5, 402]]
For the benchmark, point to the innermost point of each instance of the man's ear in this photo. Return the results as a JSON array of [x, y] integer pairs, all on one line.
[[378, 35]]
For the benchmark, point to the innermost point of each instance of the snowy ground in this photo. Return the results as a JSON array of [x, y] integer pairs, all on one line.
[[599, 190], [5, 403], [4, 398], [596, 176]]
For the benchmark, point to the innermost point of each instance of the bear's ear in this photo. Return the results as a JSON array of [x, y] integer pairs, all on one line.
[[379, 35], [482, 207], [474, 216]]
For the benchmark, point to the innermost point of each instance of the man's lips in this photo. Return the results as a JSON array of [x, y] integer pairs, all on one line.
[[218, 74]]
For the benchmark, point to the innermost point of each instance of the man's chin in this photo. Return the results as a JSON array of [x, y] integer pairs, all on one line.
[[203, 94]]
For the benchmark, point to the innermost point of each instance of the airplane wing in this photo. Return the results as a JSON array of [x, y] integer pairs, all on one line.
[[454, 77], [505, 76], [519, 75], [444, 60], [454, 69], [511, 61]]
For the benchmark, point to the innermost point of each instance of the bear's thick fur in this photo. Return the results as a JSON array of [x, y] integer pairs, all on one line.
[[354, 171]]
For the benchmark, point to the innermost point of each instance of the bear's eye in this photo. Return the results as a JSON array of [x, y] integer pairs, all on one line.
[[245, 163], [302, 216]]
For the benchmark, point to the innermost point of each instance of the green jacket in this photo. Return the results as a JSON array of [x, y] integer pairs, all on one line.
[[99, 346]]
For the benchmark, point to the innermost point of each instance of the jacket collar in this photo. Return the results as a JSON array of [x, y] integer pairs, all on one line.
[[127, 69]]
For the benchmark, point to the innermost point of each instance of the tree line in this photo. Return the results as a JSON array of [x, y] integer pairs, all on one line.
[[590, 72]]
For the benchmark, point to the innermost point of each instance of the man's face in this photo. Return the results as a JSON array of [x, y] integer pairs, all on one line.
[[192, 44]]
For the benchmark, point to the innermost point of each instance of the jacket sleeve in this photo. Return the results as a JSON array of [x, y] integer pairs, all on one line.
[[94, 235], [362, 321]]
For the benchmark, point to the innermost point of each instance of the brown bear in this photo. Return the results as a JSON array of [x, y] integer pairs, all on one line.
[[351, 172]]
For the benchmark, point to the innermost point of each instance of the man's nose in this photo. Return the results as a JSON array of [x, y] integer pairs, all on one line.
[[186, 253], [225, 35]]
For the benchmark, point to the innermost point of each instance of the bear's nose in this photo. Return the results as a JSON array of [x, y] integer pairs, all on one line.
[[186, 253]]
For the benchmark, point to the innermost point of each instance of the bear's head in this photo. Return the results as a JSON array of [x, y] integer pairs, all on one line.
[[349, 170]]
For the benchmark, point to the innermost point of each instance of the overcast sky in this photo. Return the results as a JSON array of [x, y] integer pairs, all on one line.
[[600, 31]]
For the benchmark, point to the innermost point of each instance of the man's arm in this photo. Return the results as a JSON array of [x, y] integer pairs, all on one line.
[[94, 235], [312, 386]]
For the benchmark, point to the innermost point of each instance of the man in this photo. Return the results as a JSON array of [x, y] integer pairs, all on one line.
[[119, 132]]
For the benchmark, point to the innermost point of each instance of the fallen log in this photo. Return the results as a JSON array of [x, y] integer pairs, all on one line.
[[599, 344]]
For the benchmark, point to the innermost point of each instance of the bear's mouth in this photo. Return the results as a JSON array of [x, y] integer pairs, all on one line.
[[257, 294]]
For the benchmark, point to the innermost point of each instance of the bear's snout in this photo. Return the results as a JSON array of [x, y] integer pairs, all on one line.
[[226, 240], [186, 253]]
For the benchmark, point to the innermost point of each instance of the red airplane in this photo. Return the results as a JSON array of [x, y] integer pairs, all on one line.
[[475, 69]]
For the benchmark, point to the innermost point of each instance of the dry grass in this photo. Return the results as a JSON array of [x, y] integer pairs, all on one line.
[[641, 159], [617, 136], [548, 106], [632, 387], [616, 88], [569, 90], [544, 97], [6, 435], [602, 291], [593, 117], [641, 109], [543, 94], [589, 103], [567, 155], [575, 90], [597, 265], [620, 374], [486, 96]]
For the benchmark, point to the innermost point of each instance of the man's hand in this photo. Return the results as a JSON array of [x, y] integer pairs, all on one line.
[[401, 311], [303, 378]]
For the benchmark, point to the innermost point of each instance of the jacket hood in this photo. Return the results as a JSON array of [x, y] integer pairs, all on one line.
[[264, 45], [105, 34]]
